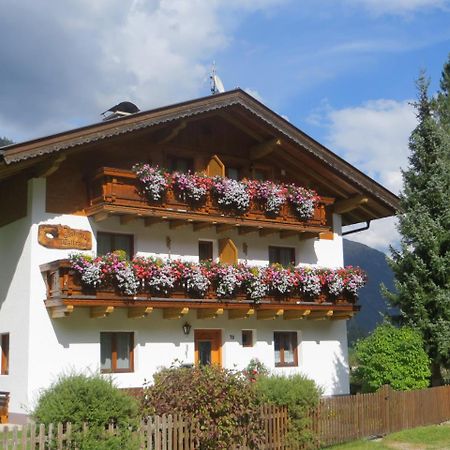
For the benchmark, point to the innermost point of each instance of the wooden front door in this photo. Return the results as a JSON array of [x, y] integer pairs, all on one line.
[[208, 347]]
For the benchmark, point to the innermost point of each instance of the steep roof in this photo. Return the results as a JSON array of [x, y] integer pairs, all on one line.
[[26, 154]]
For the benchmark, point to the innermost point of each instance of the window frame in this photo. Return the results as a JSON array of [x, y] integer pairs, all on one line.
[[5, 354], [282, 335], [251, 336], [112, 235], [114, 368], [278, 248], [210, 244]]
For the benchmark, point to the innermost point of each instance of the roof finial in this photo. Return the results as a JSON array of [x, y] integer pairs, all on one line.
[[216, 82]]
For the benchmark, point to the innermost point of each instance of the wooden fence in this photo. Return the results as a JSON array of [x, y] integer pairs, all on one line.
[[158, 433], [337, 420], [352, 417]]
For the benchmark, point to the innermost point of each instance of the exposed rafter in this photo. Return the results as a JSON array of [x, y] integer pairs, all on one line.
[[264, 149], [349, 204]]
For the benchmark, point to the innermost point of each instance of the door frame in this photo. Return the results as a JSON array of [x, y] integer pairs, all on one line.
[[215, 333]]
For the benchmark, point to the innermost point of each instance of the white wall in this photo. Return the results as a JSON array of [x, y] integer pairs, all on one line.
[[56, 345], [15, 263]]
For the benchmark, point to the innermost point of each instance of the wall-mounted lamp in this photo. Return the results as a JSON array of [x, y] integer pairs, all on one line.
[[187, 328]]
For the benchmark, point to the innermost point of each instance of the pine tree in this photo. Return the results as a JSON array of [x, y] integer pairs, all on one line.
[[422, 265]]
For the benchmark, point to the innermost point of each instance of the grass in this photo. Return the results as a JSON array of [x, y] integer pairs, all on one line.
[[435, 437]]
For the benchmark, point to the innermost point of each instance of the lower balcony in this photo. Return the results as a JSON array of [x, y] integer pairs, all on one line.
[[66, 291]]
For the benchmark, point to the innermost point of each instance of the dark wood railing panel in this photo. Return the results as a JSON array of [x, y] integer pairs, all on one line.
[[122, 188]]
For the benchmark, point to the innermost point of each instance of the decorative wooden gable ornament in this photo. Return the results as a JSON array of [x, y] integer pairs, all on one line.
[[215, 167], [228, 252]]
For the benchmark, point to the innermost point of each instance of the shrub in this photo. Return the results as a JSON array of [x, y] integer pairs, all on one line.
[[393, 356], [300, 395], [92, 399], [255, 368], [220, 404]]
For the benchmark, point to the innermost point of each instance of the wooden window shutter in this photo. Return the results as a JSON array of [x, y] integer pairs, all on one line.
[[227, 251], [215, 167]]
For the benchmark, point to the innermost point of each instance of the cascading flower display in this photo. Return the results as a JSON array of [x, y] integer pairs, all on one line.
[[231, 194], [302, 200], [271, 195], [195, 280], [191, 187], [157, 277], [154, 181]]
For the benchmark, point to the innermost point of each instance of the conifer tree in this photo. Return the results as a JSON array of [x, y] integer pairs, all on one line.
[[422, 265]]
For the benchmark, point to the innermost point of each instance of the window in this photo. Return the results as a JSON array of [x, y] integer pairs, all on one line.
[[116, 352], [282, 255], [247, 338], [233, 173], [285, 348], [5, 354], [205, 251], [110, 242], [181, 164], [260, 174]]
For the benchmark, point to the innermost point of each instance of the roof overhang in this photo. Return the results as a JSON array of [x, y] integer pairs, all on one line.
[[27, 152]]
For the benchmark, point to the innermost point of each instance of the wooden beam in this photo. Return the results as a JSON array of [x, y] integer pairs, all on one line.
[[139, 312], [124, 220], [246, 230], [209, 313], [341, 315], [177, 224], [224, 227], [287, 234], [58, 312], [267, 231], [268, 314], [174, 132], [295, 314], [99, 312], [197, 226], [321, 315], [349, 204], [174, 313], [99, 217], [233, 119], [264, 149], [149, 221], [240, 313], [48, 167], [305, 236]]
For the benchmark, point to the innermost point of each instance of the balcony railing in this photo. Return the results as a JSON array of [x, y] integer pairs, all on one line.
[[117, 191], [64, 288]]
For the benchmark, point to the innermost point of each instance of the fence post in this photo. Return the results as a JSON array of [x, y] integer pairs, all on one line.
[[384, 393]]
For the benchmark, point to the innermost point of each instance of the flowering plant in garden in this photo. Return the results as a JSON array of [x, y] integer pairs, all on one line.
[[271, 195], [231, 194], [158, 277], [303, 200], [154, 180], [191, 187]]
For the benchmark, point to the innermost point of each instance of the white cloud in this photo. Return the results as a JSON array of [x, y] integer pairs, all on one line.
[[381, 234], [374, 137], [68, 61], [401, 7]]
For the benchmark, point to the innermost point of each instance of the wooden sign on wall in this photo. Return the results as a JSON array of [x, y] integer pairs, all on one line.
[[64, 237]]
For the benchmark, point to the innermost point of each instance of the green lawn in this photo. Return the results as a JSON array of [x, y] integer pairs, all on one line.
[[435, 437]]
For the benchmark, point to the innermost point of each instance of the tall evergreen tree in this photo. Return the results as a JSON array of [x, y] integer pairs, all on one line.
[[422, 265], [5, 141]]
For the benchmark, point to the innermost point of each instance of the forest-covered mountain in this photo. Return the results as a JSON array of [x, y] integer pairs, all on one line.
[[373, 305]]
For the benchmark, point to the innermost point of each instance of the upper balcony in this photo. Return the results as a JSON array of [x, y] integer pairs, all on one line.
[[119, 192]]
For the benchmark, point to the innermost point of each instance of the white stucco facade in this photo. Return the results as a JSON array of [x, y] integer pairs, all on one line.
[[41, 347]]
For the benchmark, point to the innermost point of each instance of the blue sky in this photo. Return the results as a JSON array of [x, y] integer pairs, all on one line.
[[341, 70]]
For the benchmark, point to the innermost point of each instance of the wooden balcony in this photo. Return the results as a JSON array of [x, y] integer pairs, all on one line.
[[65, 292], [117, 192]]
